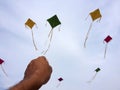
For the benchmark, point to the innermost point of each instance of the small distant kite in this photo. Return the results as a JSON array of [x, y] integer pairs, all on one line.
[[95, 15], [96, 71], [54, 22], [107, 40], [59, 79], [1, 62], [30, 23]]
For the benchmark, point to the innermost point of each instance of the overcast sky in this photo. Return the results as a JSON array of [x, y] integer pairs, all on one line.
[[69, 59]]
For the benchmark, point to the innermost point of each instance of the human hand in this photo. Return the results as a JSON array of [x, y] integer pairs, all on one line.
[[39, 71]]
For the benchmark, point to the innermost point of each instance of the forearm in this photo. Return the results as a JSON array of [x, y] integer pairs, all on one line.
[[26, 85], [37, 73]]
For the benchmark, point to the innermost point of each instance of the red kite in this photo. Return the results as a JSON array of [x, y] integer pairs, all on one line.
[[107, 40]]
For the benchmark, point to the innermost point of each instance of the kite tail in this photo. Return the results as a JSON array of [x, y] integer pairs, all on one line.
[[4, 71], [87, 34], [60, 28], [103, 42], [50, 35], [87, 17], [105, 50], [99, 20], [34, 41], [58, 85], [36, 26], [44, 52], [46, 24], [93, 78]]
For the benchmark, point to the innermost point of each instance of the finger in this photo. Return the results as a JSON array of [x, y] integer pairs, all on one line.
[[42, 60], [48, 74]]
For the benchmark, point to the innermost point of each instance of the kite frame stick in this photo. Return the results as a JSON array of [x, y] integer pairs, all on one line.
[[33, 40], [87, 35]]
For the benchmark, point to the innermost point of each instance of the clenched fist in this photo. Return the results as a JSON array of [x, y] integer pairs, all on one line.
[[37, 73]]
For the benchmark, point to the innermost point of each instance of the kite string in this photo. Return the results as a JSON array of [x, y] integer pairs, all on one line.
[[33, 40], [87, 34], [4, 71], [105, 50]]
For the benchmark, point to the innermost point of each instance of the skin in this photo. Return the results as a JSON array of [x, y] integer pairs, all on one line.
[[37, 73]]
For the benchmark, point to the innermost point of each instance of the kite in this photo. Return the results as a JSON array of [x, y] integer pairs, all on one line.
[[1, 62], [95, 15], [107, 40], [30, 23], [54, 22], [96, 71], [59, 79]]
